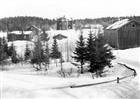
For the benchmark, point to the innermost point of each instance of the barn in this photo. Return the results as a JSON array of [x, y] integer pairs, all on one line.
[[123, 34]]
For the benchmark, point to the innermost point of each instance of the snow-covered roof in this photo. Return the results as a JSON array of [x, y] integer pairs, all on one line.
[[20, 32], [27, 32], [34, 27], [118, 24], [3, 34], [16, 32]]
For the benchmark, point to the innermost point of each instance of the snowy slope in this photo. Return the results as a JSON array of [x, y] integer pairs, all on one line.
[[26, 86], [130, 57]]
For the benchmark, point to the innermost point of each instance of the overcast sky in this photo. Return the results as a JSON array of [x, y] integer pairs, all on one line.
[[70, 8]]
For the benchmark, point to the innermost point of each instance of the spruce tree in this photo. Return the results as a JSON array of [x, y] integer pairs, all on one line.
[[45, 38], [10, 49], [40, 54], [27, 53], [103, 54], [90, 51], [37, 55], [55, 53], [47, 53], [3, 55], [80, 51], [5, 46], [14, 58]]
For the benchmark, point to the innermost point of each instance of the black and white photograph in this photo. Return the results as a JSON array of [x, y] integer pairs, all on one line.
[[69, 49]]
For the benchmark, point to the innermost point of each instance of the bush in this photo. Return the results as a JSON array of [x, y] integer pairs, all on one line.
[[66, 73], [14, 59]]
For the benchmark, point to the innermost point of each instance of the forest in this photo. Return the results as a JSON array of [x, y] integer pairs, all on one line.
[[22, 22]]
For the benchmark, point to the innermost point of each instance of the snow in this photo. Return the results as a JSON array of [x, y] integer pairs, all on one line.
[[27, 32], [27, 86], [118, 24], [130, 57], [132, 54], [34, 27], [3, 34], [20, 46], [20, 32], [16, 32], [17, 83]]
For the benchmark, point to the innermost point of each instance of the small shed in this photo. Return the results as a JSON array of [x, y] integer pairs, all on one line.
[[123, 34]]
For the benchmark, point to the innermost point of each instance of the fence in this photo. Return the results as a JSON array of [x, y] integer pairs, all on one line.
[[118, 79]]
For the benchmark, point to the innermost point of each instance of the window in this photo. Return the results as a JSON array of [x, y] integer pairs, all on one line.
[[24, 37], [133, 25]]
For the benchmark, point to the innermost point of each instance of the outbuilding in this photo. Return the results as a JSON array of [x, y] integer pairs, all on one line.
[[123, 34]]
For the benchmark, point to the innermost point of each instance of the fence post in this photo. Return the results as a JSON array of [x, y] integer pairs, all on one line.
[[135, 73], [117, 79]]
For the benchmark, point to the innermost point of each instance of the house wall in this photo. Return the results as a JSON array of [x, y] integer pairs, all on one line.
[[62, 25], [129, 35], [111, 36], [13, 37]]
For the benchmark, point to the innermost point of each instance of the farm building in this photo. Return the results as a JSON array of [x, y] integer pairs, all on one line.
[[123, 34], [28, 35], [33, 28], [18, 35], [64, 24], [35, 31]]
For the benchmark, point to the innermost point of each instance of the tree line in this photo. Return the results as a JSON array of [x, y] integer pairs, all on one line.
[[6, 52], [21, 23]]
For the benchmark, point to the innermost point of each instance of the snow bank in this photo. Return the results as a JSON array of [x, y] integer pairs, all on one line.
[[132, 54], [27, 86]]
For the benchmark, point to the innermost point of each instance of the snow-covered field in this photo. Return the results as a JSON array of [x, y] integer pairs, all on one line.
[[18, 83], [27, 86]]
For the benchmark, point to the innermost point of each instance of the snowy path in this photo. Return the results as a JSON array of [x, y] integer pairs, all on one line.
[[27, 86]]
